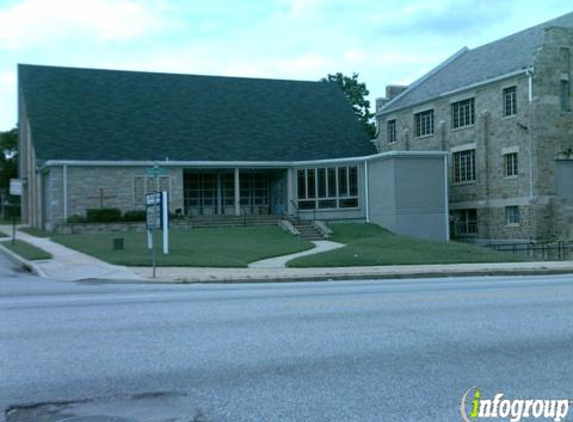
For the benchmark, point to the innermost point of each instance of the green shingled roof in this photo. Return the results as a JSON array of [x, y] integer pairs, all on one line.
[[88, 114]]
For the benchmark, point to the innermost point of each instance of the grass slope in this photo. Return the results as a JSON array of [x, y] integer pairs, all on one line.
[[35, 232], [25, 250], [368, 244], [213, 247]]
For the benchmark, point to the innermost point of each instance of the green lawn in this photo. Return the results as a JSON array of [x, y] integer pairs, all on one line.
[[26, 251], [213, 247], [36, 232], [368, 244]]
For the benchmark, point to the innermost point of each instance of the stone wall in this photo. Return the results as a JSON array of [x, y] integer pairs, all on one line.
[[538, 133], [85, 186]]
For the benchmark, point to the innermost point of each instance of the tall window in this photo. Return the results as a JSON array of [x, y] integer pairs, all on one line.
[[565, 95], [464, 222], [146, 184], [463, 113], [510, 101], [510, 164], [464, 166], [328, 187], [512, 215], [391, 131], [424, 123]]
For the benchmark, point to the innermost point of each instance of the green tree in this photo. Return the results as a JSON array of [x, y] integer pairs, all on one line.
[[8, 158], [356, 93]]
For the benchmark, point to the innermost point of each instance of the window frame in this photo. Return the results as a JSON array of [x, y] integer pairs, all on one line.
[[467, 225], [328, 188], [565, 95], [391, 131], [424, 123], [510, 101], [144, 184], [512, 215], [463, 167], [510, 165], [463, 113]]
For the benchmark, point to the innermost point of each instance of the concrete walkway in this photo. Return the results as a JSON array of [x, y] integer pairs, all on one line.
[[68, 264], [280, 261]]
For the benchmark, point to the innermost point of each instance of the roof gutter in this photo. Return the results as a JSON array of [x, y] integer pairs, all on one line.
[[526, 71], [235, 164]]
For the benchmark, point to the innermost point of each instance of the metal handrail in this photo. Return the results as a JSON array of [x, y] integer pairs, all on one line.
[[295, 205]]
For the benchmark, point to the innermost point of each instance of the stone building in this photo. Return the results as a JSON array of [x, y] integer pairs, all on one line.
[[228, 147], [504, 112]]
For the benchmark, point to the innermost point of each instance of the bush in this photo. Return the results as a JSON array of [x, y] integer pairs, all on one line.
[[103, 215], [136, 215], [76, 218]]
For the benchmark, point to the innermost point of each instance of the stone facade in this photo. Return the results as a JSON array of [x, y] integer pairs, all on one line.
[[536, 135], [99, 186]]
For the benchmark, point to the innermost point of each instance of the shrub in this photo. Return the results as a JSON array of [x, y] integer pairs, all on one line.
[[103, 215], [76, 218], [136, 215]]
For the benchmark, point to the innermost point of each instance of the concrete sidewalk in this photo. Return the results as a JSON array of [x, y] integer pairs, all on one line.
[[68, 264]]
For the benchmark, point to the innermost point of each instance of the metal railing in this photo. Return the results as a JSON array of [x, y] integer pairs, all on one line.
[[561, 250]]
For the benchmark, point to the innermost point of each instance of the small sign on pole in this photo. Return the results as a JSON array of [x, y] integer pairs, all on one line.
[[16, 187], [15, 190], [157, 218]]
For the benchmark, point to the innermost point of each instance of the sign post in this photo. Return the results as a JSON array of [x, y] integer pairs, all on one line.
[[157, 205], [153, 205], [15, 190]]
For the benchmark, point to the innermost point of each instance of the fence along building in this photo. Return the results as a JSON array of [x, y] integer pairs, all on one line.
[[504, 112], [229, 146]]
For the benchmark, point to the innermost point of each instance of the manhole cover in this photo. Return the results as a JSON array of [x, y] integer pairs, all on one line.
[[97, 419]]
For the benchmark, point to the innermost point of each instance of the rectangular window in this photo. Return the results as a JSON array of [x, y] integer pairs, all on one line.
[[464, 222], [391, 131], [143, 185], [565, 96], [463, 113], [331, 187], [301, 183], [510, 164], [565, 59], [424, 123], [464, 166], [138, 190], [512, 215], [510, 101]]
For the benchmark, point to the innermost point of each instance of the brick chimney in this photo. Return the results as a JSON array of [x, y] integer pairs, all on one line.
[[392, 91]]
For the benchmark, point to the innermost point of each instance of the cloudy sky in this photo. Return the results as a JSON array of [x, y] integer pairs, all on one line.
[[385, 41]]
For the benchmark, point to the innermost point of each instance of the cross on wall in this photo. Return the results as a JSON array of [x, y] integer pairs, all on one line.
[[102, 197]]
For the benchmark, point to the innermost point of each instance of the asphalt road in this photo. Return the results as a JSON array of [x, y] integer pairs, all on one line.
[[394, 350]]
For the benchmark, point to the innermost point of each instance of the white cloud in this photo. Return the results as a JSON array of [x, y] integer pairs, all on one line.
[[35, 22]]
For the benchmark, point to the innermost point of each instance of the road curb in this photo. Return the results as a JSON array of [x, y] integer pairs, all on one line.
[[342, 277], [22, 262]]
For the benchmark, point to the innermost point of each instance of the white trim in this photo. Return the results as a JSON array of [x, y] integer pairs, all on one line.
[[456, 91], [500, 203], [509, 150], [529, 73], [463, 147], [419, 81], [251, 164]]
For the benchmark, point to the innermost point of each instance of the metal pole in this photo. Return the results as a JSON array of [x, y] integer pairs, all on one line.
[[155, 179], [13, 225]]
